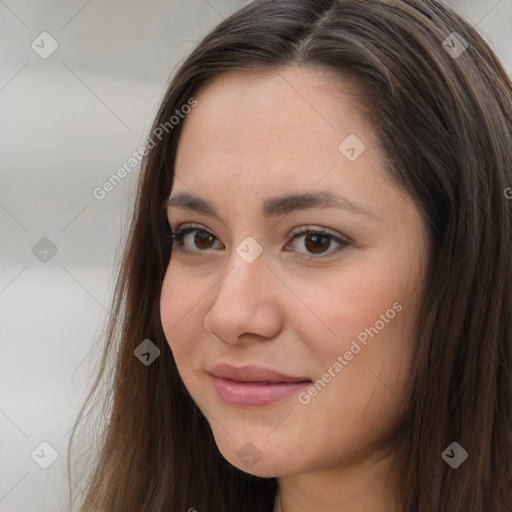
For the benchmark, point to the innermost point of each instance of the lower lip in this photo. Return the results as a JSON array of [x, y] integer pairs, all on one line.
[[251, 394]]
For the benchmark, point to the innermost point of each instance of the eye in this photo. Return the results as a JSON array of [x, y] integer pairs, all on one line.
[[194, 239], [318, 241], [201, 241]]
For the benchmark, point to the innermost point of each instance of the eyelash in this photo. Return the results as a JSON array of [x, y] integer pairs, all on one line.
[[183, 229]]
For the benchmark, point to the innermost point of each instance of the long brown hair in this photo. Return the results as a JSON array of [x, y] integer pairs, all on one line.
[[443, 112]]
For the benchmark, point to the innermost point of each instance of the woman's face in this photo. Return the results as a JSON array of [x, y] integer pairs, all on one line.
[[304, 260]]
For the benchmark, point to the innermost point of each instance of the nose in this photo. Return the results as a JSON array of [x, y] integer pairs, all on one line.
[[245, 306]]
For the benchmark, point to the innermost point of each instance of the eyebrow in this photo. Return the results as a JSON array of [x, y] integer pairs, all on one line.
[[275, 206]]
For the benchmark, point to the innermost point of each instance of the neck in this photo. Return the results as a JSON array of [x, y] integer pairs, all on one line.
[[369, 486]]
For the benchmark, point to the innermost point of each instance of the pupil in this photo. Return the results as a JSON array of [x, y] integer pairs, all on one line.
[[320, 243]]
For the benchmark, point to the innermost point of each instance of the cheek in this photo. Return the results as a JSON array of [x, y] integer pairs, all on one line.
[[180, 304], [341, 308], [358, 332]]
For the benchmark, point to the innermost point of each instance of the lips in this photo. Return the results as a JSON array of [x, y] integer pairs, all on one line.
[[253, 386]]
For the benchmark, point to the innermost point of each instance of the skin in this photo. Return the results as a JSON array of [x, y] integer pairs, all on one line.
[[255, 135]]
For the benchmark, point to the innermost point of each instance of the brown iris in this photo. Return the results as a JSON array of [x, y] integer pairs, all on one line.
[[203, 240], [316, 243]]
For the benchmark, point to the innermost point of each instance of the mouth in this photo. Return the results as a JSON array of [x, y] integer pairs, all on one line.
[[253, 386]]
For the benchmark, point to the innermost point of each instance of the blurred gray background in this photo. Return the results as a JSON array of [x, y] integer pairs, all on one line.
[[80, 83]]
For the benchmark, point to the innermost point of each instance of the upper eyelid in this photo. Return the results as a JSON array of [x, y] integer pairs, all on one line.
[[309, 227], [191, 226], [295, 231]]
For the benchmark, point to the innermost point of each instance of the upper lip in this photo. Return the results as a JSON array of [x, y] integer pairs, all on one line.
[[252, 373]]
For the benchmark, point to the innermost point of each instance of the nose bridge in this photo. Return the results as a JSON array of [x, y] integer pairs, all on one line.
[[243, 302], [245, 267], [242, 283]]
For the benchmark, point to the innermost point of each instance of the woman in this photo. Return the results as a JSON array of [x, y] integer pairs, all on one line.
[[314, 307]]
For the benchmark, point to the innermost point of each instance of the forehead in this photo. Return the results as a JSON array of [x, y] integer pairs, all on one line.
[[272, 131], [287, 109]]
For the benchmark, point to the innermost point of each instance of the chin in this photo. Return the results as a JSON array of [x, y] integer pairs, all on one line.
[[269, 466], [257, 455]]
